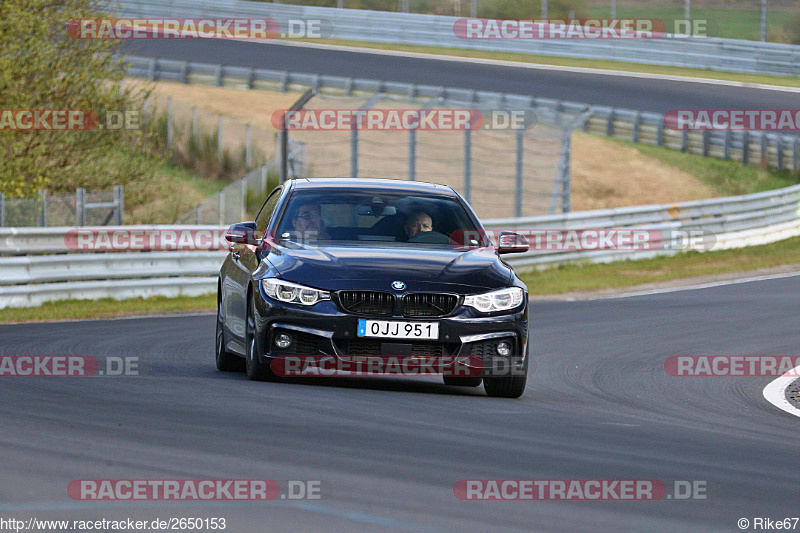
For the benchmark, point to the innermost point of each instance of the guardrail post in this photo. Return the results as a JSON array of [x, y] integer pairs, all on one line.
[[251, 74], [285, 81], [779, 151], [218, 75], [659, 131], [169, 122], [119, 200], [763, 146], [248, 151], [185, 72], [706, 135], [610, 124], [518, 173], [80, 207], [635, 129], [412, 154], [727, 146], [468, 165], [199, 210], [795, 155], [745, 147], [151, 69], [194, 122], [354, 152], [220, 118], [684, 140], [3, 209], [43, 211]]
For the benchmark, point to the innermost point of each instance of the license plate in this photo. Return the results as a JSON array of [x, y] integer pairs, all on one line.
[[395, 329]]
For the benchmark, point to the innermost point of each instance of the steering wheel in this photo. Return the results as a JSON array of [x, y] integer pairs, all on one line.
[[430, 237]]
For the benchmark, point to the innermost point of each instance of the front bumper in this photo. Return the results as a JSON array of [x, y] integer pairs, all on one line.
[[466, 338]]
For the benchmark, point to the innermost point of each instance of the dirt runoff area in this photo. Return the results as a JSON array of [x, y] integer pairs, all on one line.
[[604, 174]]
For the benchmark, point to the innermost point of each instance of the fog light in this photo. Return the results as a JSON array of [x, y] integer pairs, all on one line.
[[504, 348], [283, 341]]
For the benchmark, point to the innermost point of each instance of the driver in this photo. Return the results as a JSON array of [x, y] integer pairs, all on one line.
[[418, 222], [308, 223]]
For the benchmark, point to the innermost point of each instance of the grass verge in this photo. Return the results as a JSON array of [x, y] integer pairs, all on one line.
[[726, 178], [571, 62], [587, 277], [108, 308]]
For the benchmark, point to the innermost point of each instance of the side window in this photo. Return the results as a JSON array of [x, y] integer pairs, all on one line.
[[266, 212]]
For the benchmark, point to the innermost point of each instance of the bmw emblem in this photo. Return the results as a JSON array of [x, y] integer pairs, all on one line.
[[398, 285]]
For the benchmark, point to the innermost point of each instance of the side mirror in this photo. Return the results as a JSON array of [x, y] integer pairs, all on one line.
[[242, 233], [509, 242]]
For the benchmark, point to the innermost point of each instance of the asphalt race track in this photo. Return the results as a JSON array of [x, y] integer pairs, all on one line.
[[641, 94], [599, 405]]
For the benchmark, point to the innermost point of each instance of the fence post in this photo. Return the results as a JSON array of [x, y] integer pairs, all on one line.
[[43, 212], [354, 152], [243, 193], [468, 165], [169, 122], [119, 200], [219, 139], [3, 209], [80, 207], [222, 207], [248, 153], [194, 123], [264, 180], [199, 210], [519, 168], [412, 154]]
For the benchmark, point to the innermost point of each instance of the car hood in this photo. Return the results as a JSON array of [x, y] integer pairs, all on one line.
[[434, 268]]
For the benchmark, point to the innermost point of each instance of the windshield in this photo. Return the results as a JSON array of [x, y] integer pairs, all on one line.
[[353, 217]]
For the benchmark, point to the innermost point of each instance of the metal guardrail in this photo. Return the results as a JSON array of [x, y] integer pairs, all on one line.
[[775, 151], [718, 54], [32, 279]]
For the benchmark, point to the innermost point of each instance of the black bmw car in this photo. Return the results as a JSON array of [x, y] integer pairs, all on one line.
[[339, 271]]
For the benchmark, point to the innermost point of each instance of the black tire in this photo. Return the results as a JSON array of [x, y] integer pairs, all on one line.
[[508, 386], [257, 370], [457, 381], [226, 361]]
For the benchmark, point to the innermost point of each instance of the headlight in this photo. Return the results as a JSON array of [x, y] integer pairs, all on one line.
[[293, 293], [502, 300]]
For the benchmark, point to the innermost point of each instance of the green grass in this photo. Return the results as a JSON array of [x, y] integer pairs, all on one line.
[[586, 277], [570, 62], [727, 178], [722, 22], [108, 308]]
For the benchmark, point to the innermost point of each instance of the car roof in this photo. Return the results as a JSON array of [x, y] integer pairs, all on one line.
[[371, 184]]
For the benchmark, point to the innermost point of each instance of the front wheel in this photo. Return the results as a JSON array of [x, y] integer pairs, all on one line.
[[257, 370], [508, 386]]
